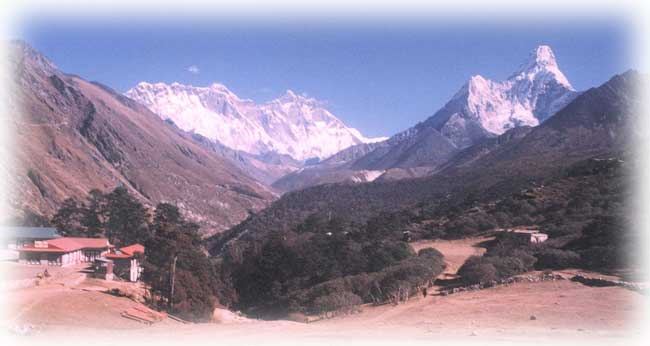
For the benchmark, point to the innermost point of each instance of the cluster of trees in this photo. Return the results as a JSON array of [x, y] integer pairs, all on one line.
[[604, 243], [393, 283], [600, 246], [182, 279], [117, 216], [333, 270], [505, 257]]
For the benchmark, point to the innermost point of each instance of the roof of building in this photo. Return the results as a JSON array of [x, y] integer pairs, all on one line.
[[73, 243], [132, 249], [29, 232], [525, 231], [49, 248], [117, 256], [126, 252], [69, 244]]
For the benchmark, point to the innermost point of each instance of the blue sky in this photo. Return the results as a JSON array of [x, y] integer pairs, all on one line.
[[380, 78]]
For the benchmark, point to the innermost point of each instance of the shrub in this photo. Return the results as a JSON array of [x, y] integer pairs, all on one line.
[[430, 253], [488, 268], [392, 283], [603, 242], [507, 266], [477, 270], [602, 257], [557, 259], [434, 233], [338, 302], [526, 258]]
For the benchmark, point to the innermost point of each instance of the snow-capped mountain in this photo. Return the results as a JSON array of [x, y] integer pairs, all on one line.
[[483, 107], [292, 124], [480, 109]]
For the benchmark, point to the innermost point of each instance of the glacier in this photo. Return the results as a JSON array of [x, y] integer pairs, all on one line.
[[292, 124]]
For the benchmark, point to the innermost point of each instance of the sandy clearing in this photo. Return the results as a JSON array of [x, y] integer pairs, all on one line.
[[564, 311], [57, 305], [559, 305]]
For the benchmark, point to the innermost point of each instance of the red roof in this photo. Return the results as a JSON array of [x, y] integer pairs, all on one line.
[[49, 248], [132, 249], [72, 244], [117, 256], [127, 251], [69, 244]]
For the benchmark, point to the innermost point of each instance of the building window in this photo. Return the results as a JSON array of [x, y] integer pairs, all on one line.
[[33, 258], [92, 255], [54, 260]]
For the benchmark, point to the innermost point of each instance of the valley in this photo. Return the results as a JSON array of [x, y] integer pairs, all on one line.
[[502, 216]]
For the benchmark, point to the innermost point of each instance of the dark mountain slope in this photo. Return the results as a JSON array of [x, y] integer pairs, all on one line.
[[426, 147]]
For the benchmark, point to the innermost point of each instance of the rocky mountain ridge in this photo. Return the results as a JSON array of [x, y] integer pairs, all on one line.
[[292, 124]]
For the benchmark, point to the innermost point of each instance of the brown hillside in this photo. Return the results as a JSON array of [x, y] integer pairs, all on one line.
[[72, 136]]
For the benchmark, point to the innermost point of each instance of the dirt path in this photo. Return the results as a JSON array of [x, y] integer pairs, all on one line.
[[456, 252]]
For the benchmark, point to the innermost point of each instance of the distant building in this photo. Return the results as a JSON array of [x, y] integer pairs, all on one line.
[[12, 238], [125, 261], [538, 237], [63, 251], [533, 236], [15, 237]]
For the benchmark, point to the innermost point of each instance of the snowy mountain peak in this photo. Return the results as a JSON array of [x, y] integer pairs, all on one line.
[[483, 107], [477, 83], [539, 58], [543, 55], [292, 124], [541, 64], [221, 88], [289, 94], [291, 97]]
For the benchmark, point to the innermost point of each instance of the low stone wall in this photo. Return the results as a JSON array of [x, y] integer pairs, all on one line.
[[602, 282], [586, 280], [502, 282]]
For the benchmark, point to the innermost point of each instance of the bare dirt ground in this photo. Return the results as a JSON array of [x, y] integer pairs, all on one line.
[[17, 271], [69, 298], [558, 307], [546, 313]]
